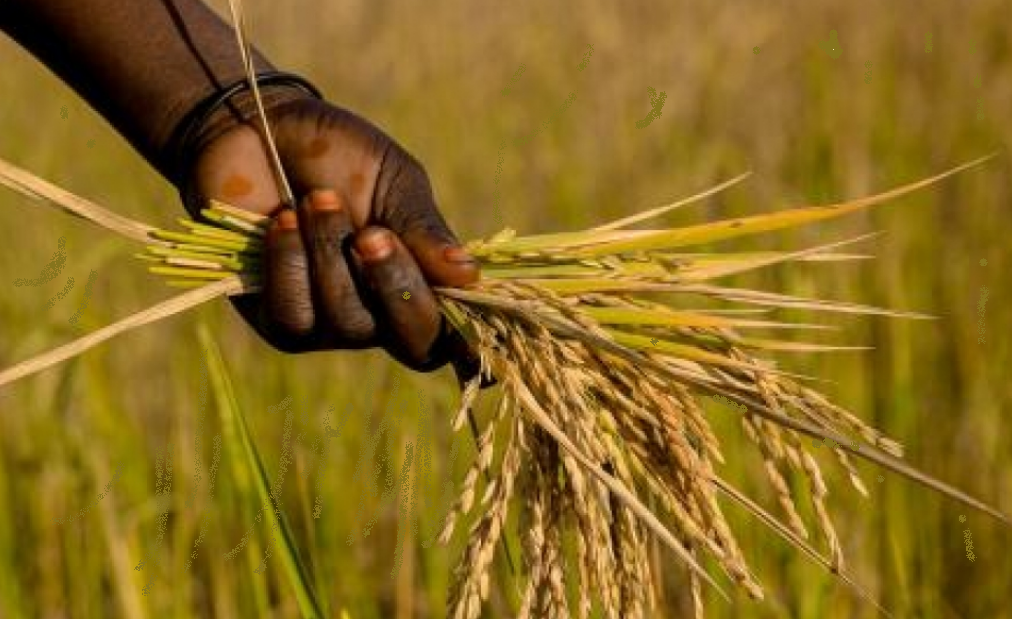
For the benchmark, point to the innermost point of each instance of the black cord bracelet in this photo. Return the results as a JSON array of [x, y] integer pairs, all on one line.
[[183, 139]]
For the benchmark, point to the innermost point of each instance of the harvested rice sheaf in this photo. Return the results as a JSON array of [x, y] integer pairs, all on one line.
[[604, 354], [603, 370]]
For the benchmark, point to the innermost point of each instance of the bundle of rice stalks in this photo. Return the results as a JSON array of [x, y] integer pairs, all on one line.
[[603, 361]]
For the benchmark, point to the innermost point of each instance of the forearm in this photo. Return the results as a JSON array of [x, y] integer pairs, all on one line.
[[142, 64]]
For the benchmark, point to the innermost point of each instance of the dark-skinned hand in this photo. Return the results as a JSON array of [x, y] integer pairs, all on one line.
[[366, 232]]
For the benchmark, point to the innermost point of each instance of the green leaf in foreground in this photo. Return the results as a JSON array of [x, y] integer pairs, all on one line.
[[232, 416]]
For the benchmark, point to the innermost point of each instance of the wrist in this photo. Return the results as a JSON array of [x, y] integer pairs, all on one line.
[[221, 110], [241, 108]]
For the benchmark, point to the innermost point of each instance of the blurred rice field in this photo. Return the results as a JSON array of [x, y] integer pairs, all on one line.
[[749, 85]]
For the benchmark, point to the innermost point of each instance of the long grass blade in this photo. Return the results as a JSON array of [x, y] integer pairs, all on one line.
[[733, 228], [660, 210], [294, 566], [772, 299], [32, 186], [731, 267], [658, 317], [165, 309], [782, 346], [794, 539]]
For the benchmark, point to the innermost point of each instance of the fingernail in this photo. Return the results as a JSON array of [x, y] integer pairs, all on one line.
[[374, 246], [457, 254], [325, 200], [287, 220]]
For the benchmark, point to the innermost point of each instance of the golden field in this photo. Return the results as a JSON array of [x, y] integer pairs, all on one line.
[[812, 128]]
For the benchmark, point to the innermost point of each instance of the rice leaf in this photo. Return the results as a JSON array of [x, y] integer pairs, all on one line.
[[783, 346], [294, 566], [734, 267], [660, 210], [738, 227], [649, 317], [773, 299]]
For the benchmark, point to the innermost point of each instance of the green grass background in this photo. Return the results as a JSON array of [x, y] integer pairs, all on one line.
[[431, 74]]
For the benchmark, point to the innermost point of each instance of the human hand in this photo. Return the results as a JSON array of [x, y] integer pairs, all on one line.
[[366, 231]]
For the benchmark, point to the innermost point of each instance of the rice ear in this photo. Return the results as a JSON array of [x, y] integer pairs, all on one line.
[[564, 329], [544, 421]]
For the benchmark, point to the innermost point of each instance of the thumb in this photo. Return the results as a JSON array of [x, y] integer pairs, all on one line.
[[409, 209]]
